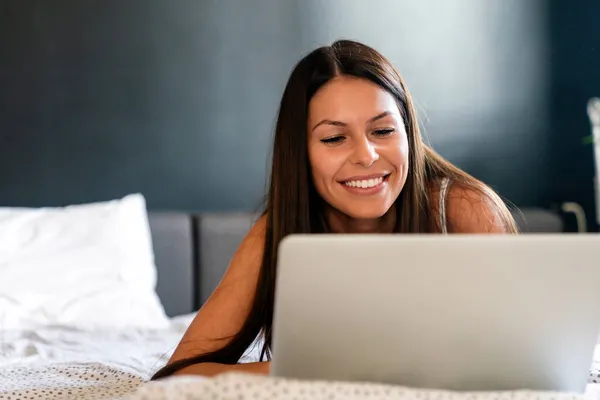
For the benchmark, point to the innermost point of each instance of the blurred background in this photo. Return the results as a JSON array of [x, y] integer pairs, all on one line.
[[177, 99]]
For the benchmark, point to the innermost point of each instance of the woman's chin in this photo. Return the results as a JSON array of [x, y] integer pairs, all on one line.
[[364, 216], [367, 216], [366, 213]]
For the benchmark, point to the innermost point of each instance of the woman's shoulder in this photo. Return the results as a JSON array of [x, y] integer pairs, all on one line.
[[255, 238], [260, 225], [469, 207], [252, 245]]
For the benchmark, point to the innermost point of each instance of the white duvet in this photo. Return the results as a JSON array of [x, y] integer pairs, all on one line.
[[66, 363]]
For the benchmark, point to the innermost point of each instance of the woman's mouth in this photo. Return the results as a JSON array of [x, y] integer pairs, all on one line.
[[366, 185]]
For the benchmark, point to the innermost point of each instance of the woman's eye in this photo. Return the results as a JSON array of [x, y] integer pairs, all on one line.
[[332, 140], [384, 132]]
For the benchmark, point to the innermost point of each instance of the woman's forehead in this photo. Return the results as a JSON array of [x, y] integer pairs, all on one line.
[[351, 100]]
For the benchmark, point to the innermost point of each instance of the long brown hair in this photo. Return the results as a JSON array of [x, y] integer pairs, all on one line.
[[293, 205]]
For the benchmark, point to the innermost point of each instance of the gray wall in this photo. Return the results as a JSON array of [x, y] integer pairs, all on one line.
[[178, 99]]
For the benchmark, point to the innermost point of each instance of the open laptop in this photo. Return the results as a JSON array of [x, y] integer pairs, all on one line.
[[464, 312]]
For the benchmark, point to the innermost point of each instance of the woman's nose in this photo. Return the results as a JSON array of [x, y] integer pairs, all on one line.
[[365, 153]]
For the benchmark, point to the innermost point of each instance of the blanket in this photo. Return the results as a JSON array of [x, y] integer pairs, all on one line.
[[253, 387]]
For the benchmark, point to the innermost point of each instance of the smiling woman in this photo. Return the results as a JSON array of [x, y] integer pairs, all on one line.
[[358, 151], [348, 158]]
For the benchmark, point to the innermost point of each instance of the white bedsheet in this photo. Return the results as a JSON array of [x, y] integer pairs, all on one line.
[[64, 363]]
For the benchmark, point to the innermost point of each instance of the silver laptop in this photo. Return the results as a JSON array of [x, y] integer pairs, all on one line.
[[485, 312]]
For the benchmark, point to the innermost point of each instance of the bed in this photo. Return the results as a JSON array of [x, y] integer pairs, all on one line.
[[109, 290]]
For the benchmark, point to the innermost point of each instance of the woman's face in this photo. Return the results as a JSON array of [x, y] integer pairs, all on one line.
[[357, 147]]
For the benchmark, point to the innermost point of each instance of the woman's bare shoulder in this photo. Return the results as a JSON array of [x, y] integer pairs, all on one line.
[[474, 210], [247, 259]]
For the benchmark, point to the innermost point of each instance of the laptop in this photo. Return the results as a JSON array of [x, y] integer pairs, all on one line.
[[462, 312]]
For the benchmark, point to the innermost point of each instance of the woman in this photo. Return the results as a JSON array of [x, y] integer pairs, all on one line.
[[348, 158]]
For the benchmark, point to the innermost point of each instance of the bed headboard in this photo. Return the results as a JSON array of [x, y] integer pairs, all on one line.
[[175, 257], [192, 251]]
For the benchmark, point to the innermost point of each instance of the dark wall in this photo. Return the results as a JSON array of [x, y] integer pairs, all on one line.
[[575, 77], [177, 99]]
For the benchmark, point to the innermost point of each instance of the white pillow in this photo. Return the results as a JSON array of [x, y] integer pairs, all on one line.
[[87, 266]]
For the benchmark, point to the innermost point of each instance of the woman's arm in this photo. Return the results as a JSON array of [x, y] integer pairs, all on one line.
[[212, 369], [224, 313]]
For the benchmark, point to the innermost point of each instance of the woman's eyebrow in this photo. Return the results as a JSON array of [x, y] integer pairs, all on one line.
[[340, 123]]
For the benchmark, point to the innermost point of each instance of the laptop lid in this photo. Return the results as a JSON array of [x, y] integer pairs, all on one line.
[[463, 312]]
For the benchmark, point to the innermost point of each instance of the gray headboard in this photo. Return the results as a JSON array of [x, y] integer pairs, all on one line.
[[193, 251], [175, 258]]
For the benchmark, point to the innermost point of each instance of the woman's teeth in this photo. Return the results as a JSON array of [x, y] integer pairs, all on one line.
[[366, 183]]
